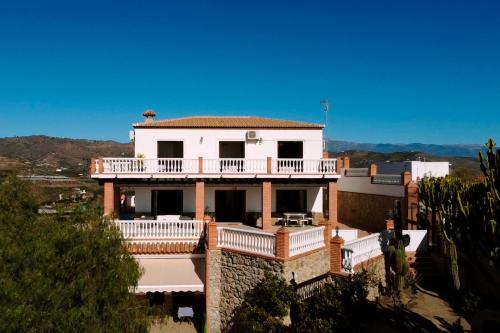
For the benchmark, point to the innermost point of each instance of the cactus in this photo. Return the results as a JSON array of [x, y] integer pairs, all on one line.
[[467, 213], [396, 264]]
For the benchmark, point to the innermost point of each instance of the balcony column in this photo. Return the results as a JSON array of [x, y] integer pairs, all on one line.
[[110, 199], [266, 205], [332, 204], [200, 201]]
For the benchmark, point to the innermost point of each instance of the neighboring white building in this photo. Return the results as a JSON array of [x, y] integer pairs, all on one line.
[[418, 169]]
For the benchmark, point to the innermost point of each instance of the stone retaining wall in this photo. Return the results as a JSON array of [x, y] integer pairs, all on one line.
[[307, 267], [239, 274]]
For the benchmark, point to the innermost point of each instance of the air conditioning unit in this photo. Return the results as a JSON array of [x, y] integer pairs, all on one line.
[[252, 135]]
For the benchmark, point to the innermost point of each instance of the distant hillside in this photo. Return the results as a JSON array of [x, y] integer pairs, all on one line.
[[41, 153], [470, 150]]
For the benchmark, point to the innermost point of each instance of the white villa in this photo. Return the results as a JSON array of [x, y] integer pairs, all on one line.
[[220, 200]]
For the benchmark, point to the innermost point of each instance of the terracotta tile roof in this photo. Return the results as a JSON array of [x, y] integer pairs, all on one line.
[[226, 122]]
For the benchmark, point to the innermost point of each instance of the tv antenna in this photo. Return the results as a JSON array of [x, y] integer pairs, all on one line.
[[326, 106]]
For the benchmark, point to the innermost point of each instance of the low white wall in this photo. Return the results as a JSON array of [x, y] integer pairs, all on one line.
[[346, 234], [418, 240]]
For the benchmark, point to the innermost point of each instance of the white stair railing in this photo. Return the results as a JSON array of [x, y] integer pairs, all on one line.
[[306, 240], [364, 248], [247, 240]]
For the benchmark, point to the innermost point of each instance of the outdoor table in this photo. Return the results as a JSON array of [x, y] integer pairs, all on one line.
[[185, 312], [294, 216]]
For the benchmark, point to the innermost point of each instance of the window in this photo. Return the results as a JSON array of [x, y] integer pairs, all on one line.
[[291, 201]]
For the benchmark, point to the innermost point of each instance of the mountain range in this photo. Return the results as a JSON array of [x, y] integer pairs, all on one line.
[[455, 150], [39, 154]]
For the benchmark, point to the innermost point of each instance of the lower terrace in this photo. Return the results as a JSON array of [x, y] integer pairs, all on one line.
[[190, 236]]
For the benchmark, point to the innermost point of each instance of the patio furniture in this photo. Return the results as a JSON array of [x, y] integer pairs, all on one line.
[[295, 218], [185, 312]]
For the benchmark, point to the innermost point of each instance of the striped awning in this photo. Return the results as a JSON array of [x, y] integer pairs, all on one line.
[[164, 274]]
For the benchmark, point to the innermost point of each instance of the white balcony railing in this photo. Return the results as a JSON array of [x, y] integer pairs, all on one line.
[[247, 240], [158, 230], [234, 165], [306, 240], [213, 166], [303, 166], [150, 165]]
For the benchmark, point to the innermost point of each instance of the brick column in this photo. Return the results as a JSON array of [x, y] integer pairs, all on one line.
[[213, 278], [200, 200], [336, 244], [347, 162], [405, 178], [92, 168], [212, 235], [332, 204], [373, 169], [269, 165], [200, 165], [327, 233], [411, 192], [109, 199], [282, 243], [101, 165], [266, 205]]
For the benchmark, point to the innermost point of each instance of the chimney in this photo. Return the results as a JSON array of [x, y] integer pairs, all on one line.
[[149, 115]]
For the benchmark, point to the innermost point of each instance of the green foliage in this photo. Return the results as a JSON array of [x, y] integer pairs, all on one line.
[[265, 306], [337, 308], [396, 264], [63, 275], [468, 214]]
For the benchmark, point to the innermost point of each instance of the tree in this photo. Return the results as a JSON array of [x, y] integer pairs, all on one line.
[[338, 307], [264, 307], [62, 274]]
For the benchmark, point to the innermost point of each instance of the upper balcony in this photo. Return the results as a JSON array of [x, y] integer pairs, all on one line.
[[109, 167]]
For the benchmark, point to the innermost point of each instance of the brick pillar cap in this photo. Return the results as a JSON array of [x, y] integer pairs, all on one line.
[[283, 230], [337, 239], [412, 184]]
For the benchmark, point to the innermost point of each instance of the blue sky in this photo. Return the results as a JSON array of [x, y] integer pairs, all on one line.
[[394, 71]]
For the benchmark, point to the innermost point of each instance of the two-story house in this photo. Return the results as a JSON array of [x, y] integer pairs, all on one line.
[[237, 169], [250, 175]]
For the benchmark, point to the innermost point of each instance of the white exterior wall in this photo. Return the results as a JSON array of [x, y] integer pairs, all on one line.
[[253, 197], [364, 185], [418, 169], [205, 142]]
